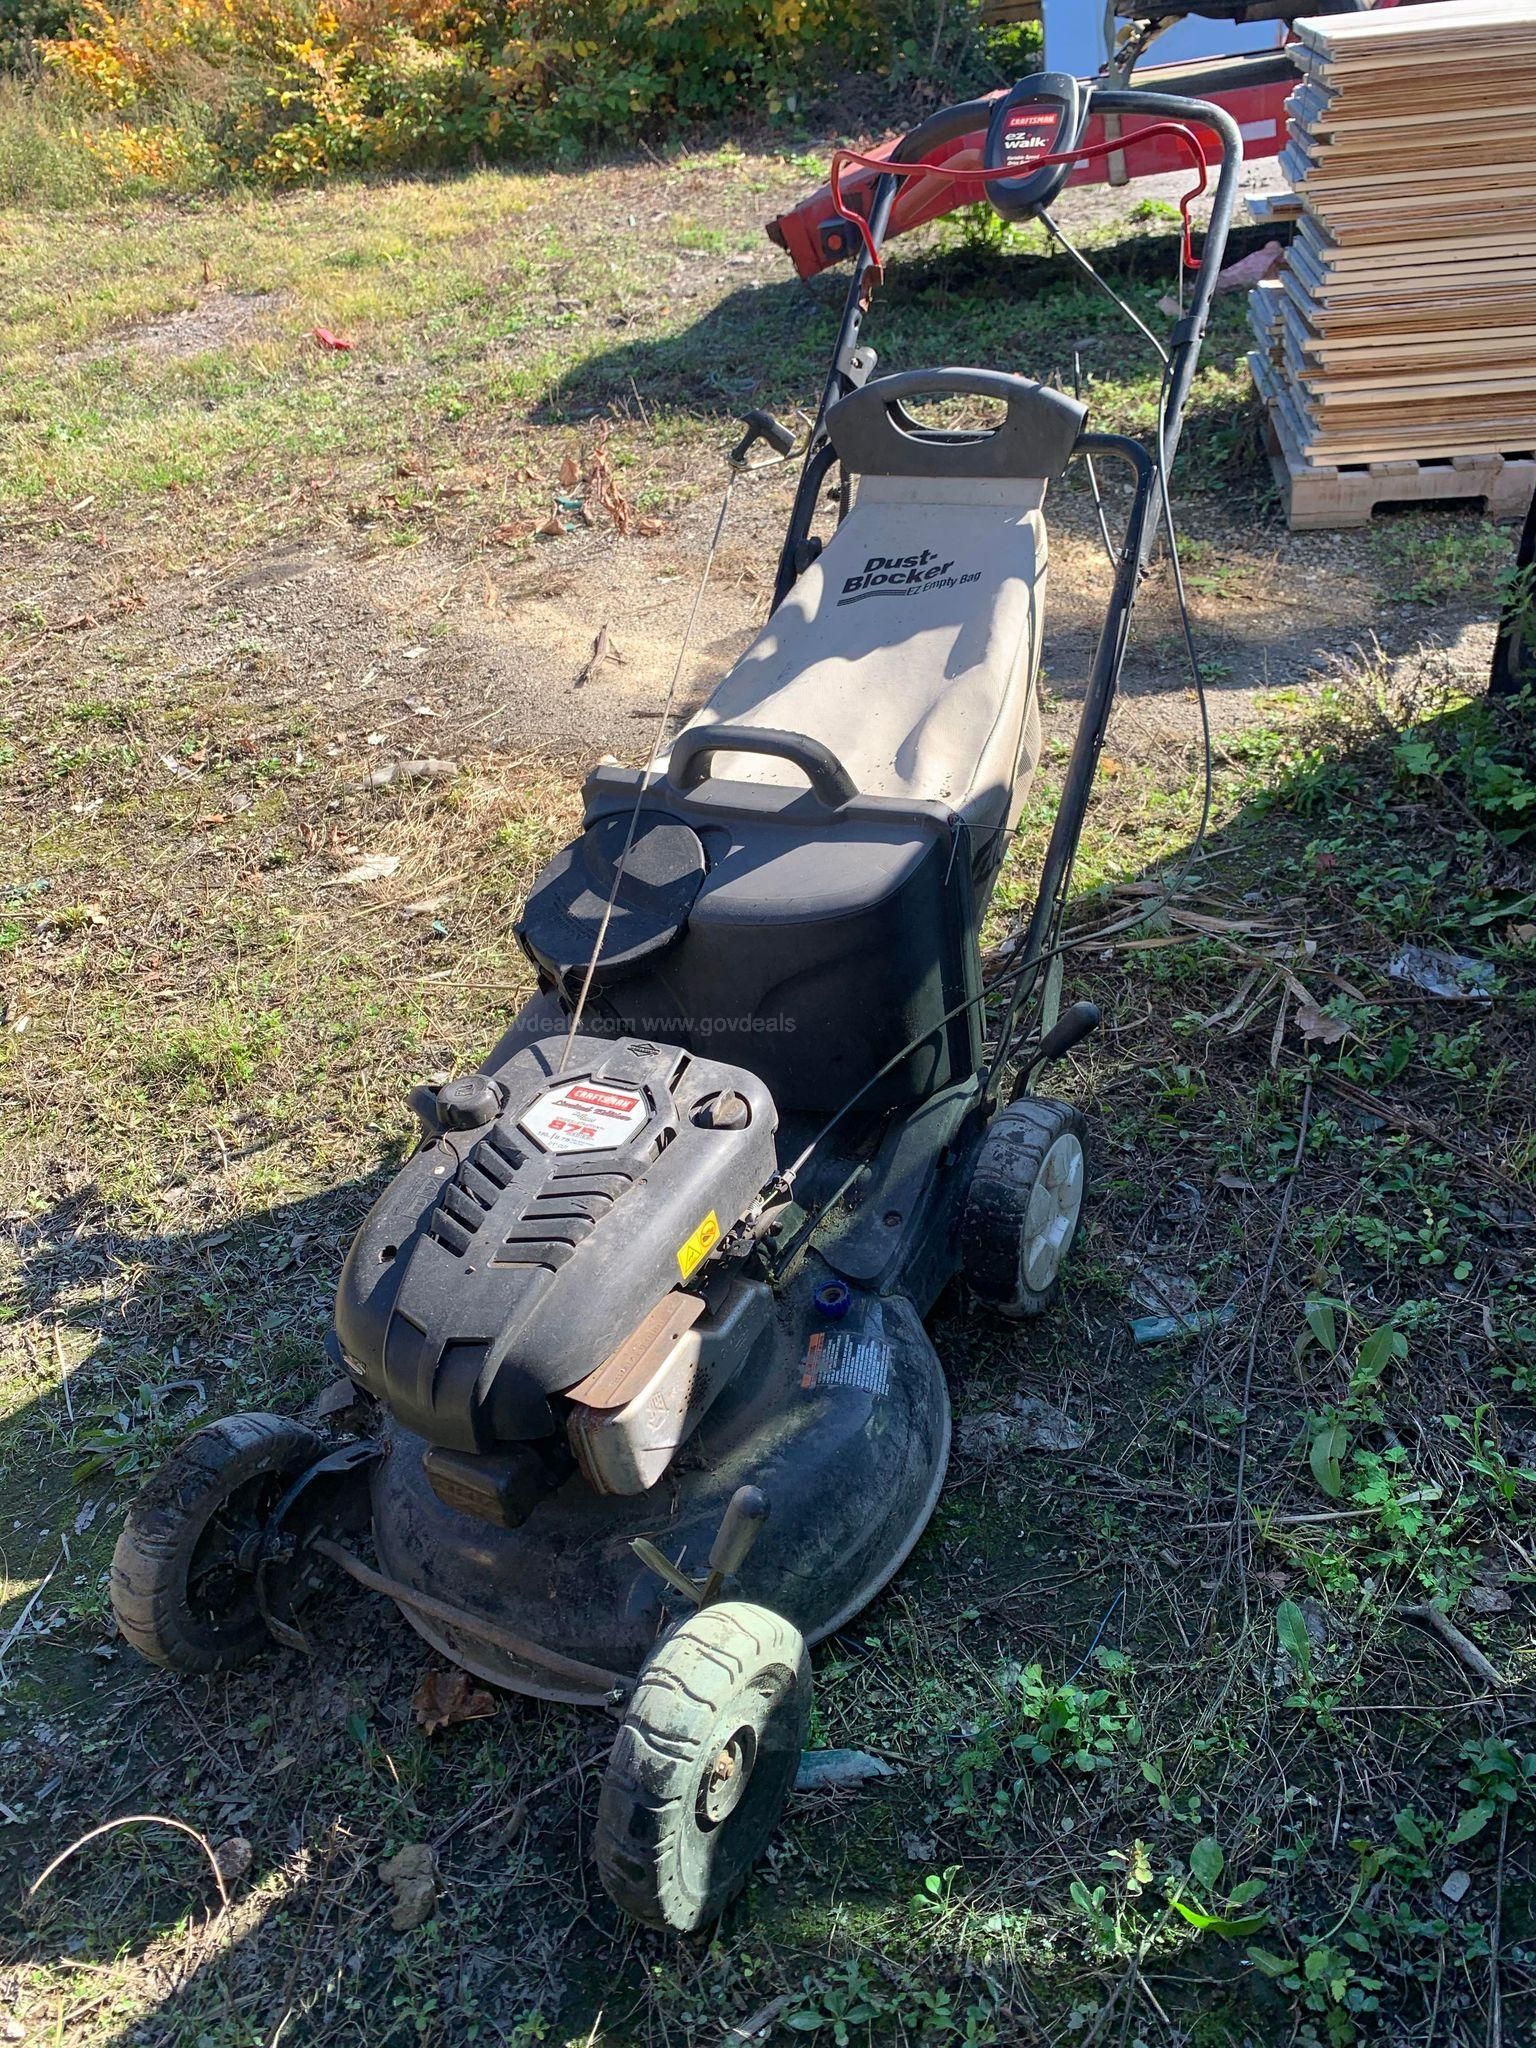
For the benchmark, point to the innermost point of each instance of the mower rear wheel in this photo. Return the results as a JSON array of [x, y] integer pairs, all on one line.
[[1024, 1205], [183, 1572], [703, 1764]]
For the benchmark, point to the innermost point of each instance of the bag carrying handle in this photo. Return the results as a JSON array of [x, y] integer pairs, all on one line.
[[694, 747]]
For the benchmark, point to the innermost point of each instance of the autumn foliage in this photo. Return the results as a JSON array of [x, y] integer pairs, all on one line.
[[288, 90]]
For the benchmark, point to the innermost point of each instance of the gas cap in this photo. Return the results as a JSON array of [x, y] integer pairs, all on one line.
[[726, 1111], [465, 1104]]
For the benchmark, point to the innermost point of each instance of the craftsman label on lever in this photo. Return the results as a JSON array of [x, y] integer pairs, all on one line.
[[1029, 131], [585, 1116]]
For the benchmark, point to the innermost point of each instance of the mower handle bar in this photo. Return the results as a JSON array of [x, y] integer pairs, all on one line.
[[871, 428], [947, 125], [950, 123], [692, 750]]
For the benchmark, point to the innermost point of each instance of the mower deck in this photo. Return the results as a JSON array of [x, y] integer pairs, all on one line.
[[843, 1424]]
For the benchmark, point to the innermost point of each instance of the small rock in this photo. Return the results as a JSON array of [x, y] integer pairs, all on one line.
[[411, 1875], [1456, 1887], [415, 1903], [1486, 1600], [919, 1848], [233, 1858], [414, 1860]]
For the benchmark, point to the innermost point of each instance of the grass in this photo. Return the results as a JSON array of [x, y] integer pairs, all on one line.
[[1141, 1697], [459, 298]]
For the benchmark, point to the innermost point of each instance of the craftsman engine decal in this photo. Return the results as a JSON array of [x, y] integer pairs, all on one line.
[[584, 1116]]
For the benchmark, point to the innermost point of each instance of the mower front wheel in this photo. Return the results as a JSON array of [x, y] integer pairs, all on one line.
[[703, 1764], [1024, 1205], [183, 1572]]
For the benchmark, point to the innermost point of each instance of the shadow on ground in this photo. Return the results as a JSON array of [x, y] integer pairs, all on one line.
[[768, 344]]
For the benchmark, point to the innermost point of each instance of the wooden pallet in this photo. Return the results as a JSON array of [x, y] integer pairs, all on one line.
[[1397, 339], [1320, 495], [1273, 209]]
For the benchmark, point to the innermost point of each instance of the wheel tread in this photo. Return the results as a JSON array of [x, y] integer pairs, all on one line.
[[160, 1533], [728, 1652], [996, 1205]]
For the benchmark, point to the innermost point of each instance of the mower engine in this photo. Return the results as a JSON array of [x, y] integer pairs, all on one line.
[[544, 1259]]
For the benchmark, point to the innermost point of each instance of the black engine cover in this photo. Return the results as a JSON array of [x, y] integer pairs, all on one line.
[[505, 1262]]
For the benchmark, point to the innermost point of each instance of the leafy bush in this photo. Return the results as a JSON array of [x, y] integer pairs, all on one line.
[[23, 25], [288, 90]]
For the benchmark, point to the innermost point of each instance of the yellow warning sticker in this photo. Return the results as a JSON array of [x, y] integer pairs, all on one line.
[[693, 1250]]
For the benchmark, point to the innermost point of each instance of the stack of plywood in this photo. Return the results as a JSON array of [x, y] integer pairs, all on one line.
[[1397, 353]]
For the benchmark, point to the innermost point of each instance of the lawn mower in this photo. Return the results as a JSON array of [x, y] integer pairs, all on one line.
[[1229, 52], [638, 1400]]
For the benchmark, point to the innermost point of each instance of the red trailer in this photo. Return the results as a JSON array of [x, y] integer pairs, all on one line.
[[1252, 83]]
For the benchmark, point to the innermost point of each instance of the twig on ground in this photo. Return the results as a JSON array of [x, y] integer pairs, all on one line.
[[1462, 1645], [1418, 1127], [38, 1591], [578, 1770], [748, 2029], [290, 1981], [133, 1820], [62, 1367], [1495, 1936]]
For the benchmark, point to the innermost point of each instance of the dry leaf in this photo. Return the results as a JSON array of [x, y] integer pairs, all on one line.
[[1108, 765], [378, 867], [515, 529], [569, 472], [553, 527], [1314, 1023], [648, 528], [603, 650], [445, 1698]]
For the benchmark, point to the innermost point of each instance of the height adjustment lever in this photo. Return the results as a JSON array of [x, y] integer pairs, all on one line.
[[1074, 1024], [762, 426], [740, 1526]]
